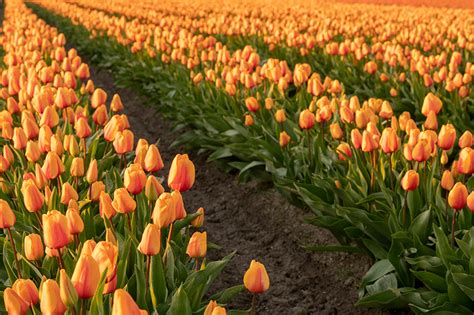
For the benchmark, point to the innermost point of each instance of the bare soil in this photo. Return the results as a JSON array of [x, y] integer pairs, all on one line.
[[257, 222]]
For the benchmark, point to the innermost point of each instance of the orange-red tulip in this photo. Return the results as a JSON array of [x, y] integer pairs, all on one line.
[[182, 173], [55, 230], [457, 197], [86, 276], [197, 246], [410, 180], [256, 279], [33, 247], [151, 240]]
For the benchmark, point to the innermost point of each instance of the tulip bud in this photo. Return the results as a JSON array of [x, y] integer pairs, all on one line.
[[199, 220], [83, 130], [86, 276], [470, 201], [74, 222], [336, 131], [252, 104], [151, 240], [164, 212], [123, 141], [447, 180], [256, 279], [457, 197], [248, 120], [7, 217], [77, 167], [98, 98], [27, 290], [466, 140], [197, 246], [123, 202], [444, 158], [421, 151], [88, 247], [280, 116], [431, 103], [106, 255], [344, 151], [32, 197], [53, 166], [446, 137], [410, 181], [284, 139], [153, 188], [116, 104], [68, 193], [92, 172], [14, 304], [32, 151], [33, 247], [124, 304], [431, 121], [19, 138], [106, 208], [51, 298], [369, 142], [55, 230], [356, 138], [182, 173], [134, 179], [67, 292], [153, 161], [306, 119], [389, 141]]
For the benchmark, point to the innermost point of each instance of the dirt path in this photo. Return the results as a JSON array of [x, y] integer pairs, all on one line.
[[259, 224]]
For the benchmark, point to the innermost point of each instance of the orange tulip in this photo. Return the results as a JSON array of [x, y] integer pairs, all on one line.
[[431, 121], [123, 202], [421, 151], [182, 173], [389, 141], [83, 130], [32, 152], [27, 290], [77, 167], [124, 304], [306, 119], [447, 180], [446, 137], [457, 197], [68, 193], [369, 142], [134, 179], [410, 181], [98, 98], [164, 211], [197, 246], [470, 201], [106, 209], [248, 120], [92, 172], [67, 292], [465, 140], [336, 131], [153, 161], [280, 116], [106, 255], [74, 222], [53, 166], [33, 247], [151, 240], [19, 138], [431, 103], [256, 279], [198, 221], [55, 230], [50, 297], [14, 304], [252, 104], [86, 276], [284, 139], [32, 197], [7, 217], [123, 141], [153, 188], [116, 104]]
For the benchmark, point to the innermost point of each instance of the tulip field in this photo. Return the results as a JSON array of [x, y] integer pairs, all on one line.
[[360, 113]]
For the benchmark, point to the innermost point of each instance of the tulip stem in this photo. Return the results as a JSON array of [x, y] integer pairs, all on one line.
[[404, 209], [453, 226], [197, 264], [253, 309], [129, 222], [148, 262], [39, 220], [310, 151], [390, 170], [170, 232], [60, 259], [447, 210], [14, 253]]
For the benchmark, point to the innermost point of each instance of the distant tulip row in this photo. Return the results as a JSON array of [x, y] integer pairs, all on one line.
[[77, 194], [396, 185]]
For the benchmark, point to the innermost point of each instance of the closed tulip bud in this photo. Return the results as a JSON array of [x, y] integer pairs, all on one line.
[[67, 292], [14, 304], [95, 190], [74, 222], [336, 131], [134, 179], [180, 211], [98, 98], [153, 188], [421, 151], [27, 290], [92, 172], [124, 304], [431, 121], [465, 140], [252, 104], [407, 152], [153, 161], [431, 103], [55, 230], [56, 145], [280, 116], [446, 137], [83, 130], [444, 158], [4, 165], [447, 180], [284, 139], [151, 240], [389, 141], [248, 120], [106, 208], [49, 117], [67, 193], [86, 276], [197, 246], [344, 151], [100, 115], [210, 308], [361, 119], [369, 142], [50, 296], [77, 167], [7, 217], [470, 201], [256, 279], [19, 138], [182, 173], [116, 104], [40, 177], [268, 103], [72, 145], [386, 111], [32, 197], [52, 166], [356, 138], [465, 163], [347, 115], [306, 119], [123, 202], [7, 131], [123, 142], [32, 151], [199, 220], [33, 247], [410, 181], [88, 247], [164, 212], [457, 197], [106, 255]]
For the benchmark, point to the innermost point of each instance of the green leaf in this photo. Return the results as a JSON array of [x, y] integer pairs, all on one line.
[[158, 290], [180, 303]]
